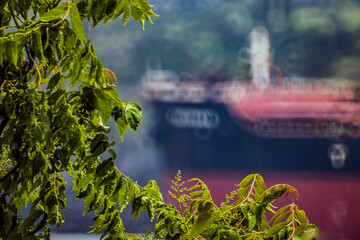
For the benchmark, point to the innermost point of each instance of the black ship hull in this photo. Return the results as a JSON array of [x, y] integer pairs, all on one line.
[[205, 136]]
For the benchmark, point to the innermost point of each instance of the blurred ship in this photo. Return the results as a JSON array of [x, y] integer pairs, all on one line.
[[267, 123], [304, 132]]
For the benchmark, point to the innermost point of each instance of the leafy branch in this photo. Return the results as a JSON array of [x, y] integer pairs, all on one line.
[[47, 129], [207, 221]]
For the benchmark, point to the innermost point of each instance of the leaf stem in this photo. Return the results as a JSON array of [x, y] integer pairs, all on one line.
[[10, 26], [293, 220], [38, 71], [251, 188], [250, 234], [63, 19]]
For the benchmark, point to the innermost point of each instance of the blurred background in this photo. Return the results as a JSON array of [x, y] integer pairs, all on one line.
[[299, 126]]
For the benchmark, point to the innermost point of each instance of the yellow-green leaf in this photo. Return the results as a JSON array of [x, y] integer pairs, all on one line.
[[56, 13], [76, 22], [127, 12]]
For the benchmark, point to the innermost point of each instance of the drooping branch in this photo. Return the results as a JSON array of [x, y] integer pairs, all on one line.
[[9, 173], [4, 194], [13, 16]]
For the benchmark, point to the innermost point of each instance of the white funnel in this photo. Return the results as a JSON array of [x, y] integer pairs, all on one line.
[[260, 57]]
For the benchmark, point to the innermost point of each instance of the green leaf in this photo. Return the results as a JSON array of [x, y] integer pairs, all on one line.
[[275, 228], [33, 216], [281, 217], [258, 210], [252, 221], [136, 13], [88, 10], [41, 224], [11, 52], [307, 232], [154, 191], [244, 186], [104, 167], [132, 236], [56, 13], [137, 205], [260, 186], [105, 99], [229, 234], [112, 152], [127, 12], [206, 217], [115, 194], [99, 144], [245, 207], [74, 141], [37, 43], [119, 9], [122, 126], [301, 216], [103, 105], [56, 96], [110, 10], [9, 216], [131, 191], [203, 188], [246, 181], [89, 198], [123, 196], [75, 68], [38, 163], [254, 237], [45, 122], [264, 222], [100, 225], [126, 194], [83, 76], [133, 115], [277, 191], [113, 94], [279, 212], [37, 130], [76, 22], [60, 156]]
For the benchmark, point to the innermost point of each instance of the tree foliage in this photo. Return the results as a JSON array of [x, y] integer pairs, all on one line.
[[44, 133], [247, 213]]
